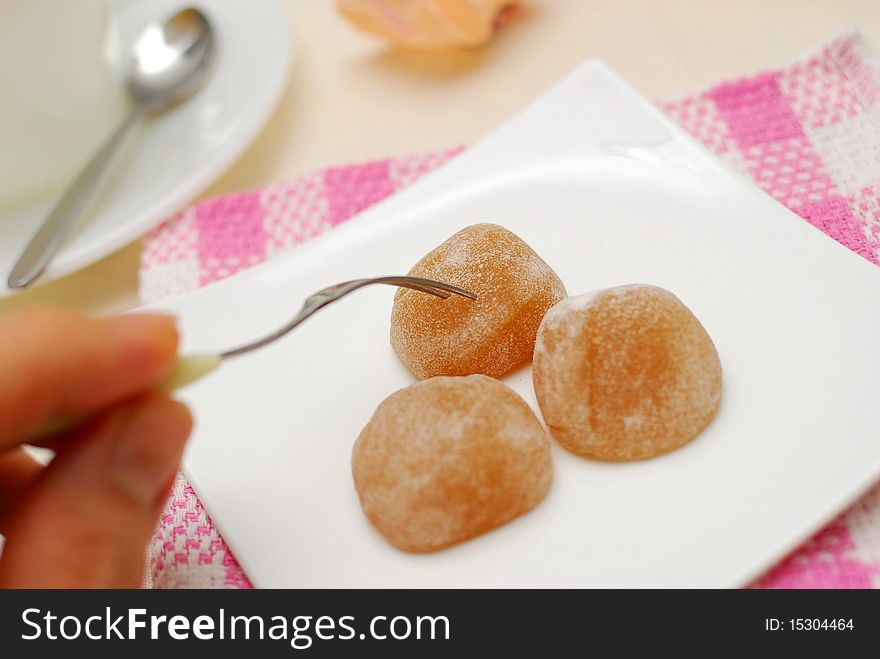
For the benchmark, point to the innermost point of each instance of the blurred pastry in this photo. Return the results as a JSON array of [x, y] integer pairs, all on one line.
[[625, 373], [430, 24]]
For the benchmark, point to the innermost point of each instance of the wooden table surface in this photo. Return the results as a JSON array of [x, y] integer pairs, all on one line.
[[349, 99]]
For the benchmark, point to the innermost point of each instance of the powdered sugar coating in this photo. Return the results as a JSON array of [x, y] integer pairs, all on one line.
[[625, 373], [490, 335], [449, 458]]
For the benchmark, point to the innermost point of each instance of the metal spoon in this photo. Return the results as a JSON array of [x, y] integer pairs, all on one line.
[[170, 61]]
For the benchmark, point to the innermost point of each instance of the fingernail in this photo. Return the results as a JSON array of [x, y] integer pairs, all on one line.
[[149, 446], [150, 340]]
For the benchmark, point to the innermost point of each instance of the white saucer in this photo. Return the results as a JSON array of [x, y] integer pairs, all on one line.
[[181, 152]]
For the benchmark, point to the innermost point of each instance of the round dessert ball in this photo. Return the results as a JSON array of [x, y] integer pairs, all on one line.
[[625, 373], [449, 458], [490, 335]]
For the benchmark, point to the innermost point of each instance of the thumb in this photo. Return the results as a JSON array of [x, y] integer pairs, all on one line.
[[85, 522]]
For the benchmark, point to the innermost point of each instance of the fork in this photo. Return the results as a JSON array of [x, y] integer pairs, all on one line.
[[189, 368]]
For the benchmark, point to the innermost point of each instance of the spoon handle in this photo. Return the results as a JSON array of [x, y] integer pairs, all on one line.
[[69, 209]]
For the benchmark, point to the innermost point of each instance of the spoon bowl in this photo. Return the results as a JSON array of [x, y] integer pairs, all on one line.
[[171, 61]]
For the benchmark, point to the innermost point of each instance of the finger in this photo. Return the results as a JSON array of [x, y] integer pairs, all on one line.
[[58, 362], [17, 471], [85, 521]]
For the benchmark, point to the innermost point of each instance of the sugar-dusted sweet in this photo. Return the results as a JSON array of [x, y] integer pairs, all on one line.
[[490, 335], [449, 458], [625, 373]]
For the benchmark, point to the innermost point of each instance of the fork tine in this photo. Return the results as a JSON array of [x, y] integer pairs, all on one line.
[[409, 282], [331, 294], [438, 292]]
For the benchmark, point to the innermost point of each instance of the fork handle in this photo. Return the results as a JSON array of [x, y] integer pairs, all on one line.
[[186, 369], [189, 368]]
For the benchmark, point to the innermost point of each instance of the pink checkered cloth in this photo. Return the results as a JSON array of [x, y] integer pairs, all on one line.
[[808, 134]]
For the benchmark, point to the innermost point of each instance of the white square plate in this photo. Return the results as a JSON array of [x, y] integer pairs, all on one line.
[[609, 192]]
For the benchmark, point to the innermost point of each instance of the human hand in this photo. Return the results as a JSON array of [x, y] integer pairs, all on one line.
[[84, 521]]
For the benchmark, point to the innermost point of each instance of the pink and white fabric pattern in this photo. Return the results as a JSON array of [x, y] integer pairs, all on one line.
[[808, 134]]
